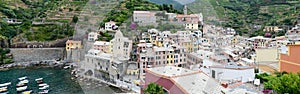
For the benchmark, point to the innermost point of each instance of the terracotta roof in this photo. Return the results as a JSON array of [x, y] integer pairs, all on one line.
[[72, 41], [190, 16], [111, 22]]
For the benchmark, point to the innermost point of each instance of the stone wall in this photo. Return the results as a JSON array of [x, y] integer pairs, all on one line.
[[37, 54]]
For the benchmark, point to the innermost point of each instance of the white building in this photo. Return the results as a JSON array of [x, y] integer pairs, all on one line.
[[93, 36], [229, 73], [121, 46], [110, 25]]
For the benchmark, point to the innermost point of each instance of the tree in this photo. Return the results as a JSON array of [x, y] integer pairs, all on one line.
[[154, 88], [75, 19], [284, 83]]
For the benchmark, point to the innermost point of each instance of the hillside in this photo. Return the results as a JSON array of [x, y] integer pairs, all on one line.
[[244, 15]]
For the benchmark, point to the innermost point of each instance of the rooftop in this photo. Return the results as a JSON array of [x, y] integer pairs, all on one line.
[[73, 41], [111, 22], [182, 78], [101, 43]]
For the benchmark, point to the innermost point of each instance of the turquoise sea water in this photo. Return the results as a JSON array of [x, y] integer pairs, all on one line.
[[59, 80]]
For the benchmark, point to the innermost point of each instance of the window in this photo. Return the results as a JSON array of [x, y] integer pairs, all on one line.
[[143, 57]]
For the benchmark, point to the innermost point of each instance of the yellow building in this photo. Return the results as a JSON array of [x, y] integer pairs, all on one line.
[[267, 55], [132, 69], [188, 45], [271, 29], [71, 44], [193, 26]]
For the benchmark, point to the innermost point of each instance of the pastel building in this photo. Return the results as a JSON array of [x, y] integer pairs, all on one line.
[[176, 80], [93, 36], [229, 73], [72, 44], [110, 25], [102, 46], [289, 58], [190, 21], [267, 55], [271, 29], [259, 42], [121, 46]]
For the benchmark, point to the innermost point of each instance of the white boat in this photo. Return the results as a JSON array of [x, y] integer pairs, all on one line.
[[20, 84], [39, 80], [67, 67], [3, 89], [23, 78], [4, 92], [44, 92], [44, 87], [22, 88], [27, 92], [41, 85], [5, 84], [24, 81]]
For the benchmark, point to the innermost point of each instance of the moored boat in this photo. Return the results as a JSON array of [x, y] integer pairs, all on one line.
[[39, 80], [4, 92], [3, 89], [44, 87], [44, 92], [5, 84], [23, 78], [22, 83], [21, 88], [41, 85], [27, 92]]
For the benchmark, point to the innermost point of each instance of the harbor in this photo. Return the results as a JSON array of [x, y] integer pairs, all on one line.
[[38, 81]]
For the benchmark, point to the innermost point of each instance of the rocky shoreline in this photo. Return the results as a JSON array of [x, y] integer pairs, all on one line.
[[44, 63]]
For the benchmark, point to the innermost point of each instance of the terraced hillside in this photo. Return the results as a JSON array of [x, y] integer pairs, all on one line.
[[244, 15]]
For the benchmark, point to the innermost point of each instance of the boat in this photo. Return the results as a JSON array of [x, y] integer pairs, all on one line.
[[27, 92], [23, 78], [22, 83], [21, 88], [4, 92], [5, 84], [44, 87], [39, 80], [41, 85], [67, 67], [3, 89], [44, 92]]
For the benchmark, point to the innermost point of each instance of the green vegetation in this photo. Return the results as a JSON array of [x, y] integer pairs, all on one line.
[[27, 11], [244, 15], [154, 88], [282, 82], [105, 37], [50, 32], [125, 9], [5, 57]]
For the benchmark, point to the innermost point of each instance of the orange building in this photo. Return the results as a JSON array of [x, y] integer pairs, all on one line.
[[290, 58]]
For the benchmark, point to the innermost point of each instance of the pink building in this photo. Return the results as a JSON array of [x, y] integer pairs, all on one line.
[[101, 46]]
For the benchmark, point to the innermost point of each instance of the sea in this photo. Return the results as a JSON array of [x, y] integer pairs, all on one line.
[[59, 81]]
